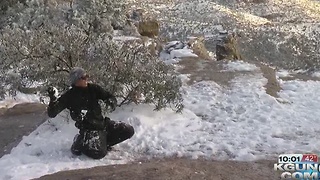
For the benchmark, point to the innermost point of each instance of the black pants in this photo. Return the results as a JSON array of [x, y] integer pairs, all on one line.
[[96, 143]]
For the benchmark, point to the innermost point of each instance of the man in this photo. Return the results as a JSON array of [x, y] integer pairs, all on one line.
[[96, 133]]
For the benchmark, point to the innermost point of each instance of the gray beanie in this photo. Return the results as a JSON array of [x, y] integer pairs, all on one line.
[[75, 74]]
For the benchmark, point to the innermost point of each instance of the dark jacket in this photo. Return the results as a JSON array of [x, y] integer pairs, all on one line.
[[83, 104]]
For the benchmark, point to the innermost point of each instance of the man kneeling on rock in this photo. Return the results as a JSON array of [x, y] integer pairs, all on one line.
[[96, 133]]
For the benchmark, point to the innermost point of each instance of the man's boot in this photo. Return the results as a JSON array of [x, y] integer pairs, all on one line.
[[77, 145]]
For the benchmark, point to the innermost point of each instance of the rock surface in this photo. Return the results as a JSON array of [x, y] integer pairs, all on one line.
[[149, 28], [227, 49]]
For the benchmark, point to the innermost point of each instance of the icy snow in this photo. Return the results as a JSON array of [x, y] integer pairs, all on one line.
[[241, 122], [178, 53], [10, 101], [240, 66], [174, 51], [316, 74]]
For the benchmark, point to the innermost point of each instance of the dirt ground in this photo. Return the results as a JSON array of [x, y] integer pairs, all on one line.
[[17, 122], [200, 70], [174, 169]]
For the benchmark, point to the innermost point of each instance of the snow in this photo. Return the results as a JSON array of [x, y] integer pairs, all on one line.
[[125, 38], [182, 53], [241, 122], [174, 51], [240, 66], [10, 101], [316, 74], [283, 73]]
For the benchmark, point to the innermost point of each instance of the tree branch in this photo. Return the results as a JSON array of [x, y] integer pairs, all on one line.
[[127, 98], [61, 60], [59, 70]]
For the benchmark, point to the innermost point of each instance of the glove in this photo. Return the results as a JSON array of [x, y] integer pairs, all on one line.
[[51, 93], [113, 103]]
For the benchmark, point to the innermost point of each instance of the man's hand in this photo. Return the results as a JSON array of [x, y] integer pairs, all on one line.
[[52, 91]]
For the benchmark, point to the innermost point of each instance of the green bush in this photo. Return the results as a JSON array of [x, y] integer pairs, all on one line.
[[43, 44]]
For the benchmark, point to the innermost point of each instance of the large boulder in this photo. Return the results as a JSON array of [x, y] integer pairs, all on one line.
[[130, 30], [137, 15], [146, 23], [149, 28], [198, 47], [273, 86], [2, 111], [155, 46], [102, 25], [226, 47]]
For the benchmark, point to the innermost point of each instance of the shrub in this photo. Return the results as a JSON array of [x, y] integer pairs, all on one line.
[[42, 44]]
